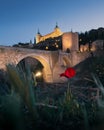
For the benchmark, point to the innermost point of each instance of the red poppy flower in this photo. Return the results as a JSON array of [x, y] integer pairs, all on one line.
[[69, 73]]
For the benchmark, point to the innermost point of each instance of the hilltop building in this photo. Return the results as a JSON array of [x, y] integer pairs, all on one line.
[[69, 40], [57, 32]]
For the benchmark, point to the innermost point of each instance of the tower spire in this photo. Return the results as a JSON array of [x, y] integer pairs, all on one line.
[[56, 25], [38, 31]]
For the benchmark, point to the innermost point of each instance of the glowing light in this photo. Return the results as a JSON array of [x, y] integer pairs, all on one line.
[[57, 46], [46, 47], [38, 74], [80, 40]]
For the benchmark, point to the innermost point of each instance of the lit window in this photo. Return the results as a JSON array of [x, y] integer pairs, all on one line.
[[57, 46], [46, 47]]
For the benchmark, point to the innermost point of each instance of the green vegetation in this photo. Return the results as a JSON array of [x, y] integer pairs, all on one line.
[[91, 36], [98, 67], [22, 109], [50, 44]]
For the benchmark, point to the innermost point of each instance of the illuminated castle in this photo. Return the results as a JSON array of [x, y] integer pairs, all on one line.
[[57, 32], [69, 39]]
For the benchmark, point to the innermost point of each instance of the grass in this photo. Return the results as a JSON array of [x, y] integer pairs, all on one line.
[[25, 106]]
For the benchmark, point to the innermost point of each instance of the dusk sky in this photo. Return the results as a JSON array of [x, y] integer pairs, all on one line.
[[21, 19]]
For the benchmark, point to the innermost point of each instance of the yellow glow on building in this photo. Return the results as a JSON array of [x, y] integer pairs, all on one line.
[[57, 46], [57, 32], [46, 48]]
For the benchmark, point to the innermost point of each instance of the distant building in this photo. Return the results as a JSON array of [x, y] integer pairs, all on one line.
[[57, 32], [69, 40], [96, 45], [24, 45]]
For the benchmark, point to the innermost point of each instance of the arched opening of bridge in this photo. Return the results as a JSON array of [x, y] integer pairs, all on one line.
[[38, 66], [34, 65]]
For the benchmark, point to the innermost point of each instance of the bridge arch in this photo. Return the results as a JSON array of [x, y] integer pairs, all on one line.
[[47, 71]]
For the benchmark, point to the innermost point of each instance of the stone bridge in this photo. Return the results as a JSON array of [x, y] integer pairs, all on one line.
[[52, 61], [49, 59]]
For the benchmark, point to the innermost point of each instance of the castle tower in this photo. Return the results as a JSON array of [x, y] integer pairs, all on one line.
[[70, 41], [38, 37], [57, 30]]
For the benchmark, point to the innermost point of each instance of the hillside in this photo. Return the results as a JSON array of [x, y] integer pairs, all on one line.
[[84, 70]]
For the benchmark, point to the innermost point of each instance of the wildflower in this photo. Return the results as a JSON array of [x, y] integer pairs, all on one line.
[[69, 73]]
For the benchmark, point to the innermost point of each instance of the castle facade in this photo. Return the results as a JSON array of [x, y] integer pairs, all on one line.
[[57, 32], [70, 40]]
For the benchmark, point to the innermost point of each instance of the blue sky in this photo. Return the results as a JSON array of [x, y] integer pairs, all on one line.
[[20, 19]]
